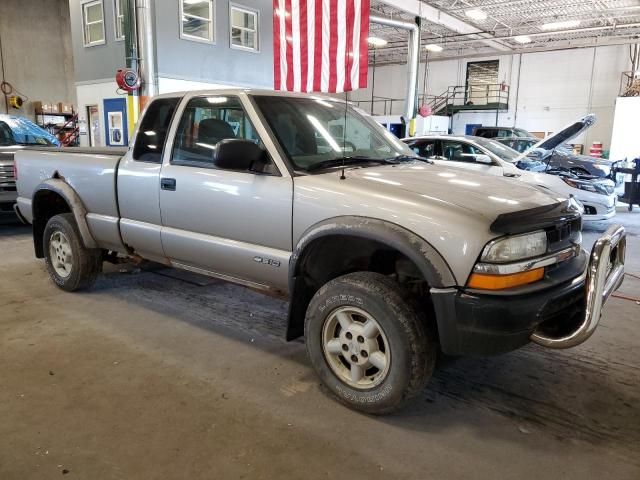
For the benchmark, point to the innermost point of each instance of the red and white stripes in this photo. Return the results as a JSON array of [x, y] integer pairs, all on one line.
[[320, 45]]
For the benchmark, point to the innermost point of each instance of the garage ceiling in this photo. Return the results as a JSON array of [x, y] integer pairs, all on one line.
[[447, 23]]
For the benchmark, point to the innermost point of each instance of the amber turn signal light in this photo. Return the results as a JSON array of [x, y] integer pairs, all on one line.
[[483, 281]]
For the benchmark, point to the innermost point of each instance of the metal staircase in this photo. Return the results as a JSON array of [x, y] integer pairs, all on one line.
[[471, 97], [457, 98]]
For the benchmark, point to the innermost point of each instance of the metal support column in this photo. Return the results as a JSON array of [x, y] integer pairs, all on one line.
[[413, 60], [147, 67]]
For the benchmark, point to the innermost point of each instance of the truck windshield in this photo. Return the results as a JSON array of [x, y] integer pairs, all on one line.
[[315, 132]]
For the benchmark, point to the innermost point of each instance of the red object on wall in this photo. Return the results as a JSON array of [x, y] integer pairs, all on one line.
[[128, 79], [320, 45]]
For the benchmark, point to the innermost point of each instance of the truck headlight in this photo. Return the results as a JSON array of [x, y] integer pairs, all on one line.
[[516, 247]]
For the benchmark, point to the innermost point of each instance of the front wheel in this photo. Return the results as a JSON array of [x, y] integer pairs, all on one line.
[[368, 342], [70, 264]]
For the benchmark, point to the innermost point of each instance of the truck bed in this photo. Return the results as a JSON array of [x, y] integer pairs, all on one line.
[[91, 172]]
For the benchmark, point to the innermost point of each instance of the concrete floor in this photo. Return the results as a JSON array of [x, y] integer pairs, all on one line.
[[149, 376]]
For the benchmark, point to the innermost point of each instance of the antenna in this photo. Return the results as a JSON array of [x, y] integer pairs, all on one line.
[[344, 134]]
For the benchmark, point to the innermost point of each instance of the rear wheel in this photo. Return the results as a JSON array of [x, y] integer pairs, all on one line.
[[71, 265], [368, 342]]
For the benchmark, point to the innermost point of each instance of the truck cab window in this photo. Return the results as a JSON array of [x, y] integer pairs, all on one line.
[[205, 122], [153, 130]]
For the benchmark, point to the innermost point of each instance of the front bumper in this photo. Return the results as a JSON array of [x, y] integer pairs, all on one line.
[[602, 208], [562, 311]]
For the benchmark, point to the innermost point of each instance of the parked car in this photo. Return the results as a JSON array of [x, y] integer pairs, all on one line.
[[15, 134], [480, 154], [501, 132], [553, 153], [519, 144], [382, 255]]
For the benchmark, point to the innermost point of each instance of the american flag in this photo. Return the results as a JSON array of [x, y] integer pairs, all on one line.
[[320, 45]]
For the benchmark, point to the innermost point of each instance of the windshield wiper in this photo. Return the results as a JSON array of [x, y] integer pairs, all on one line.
[[338, 162], [408, 158]]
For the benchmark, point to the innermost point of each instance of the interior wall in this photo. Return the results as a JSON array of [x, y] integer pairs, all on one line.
[[215, 62], [548, 89], [37, 30], [94, 94], [97, 62]]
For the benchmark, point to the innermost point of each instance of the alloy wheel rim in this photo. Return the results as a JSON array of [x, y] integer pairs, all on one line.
[[60, 254], [356, 348]]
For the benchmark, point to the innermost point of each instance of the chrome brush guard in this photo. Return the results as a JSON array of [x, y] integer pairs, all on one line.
[[603, 276]]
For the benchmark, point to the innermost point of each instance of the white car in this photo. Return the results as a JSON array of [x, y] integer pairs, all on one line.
[[489, 156]]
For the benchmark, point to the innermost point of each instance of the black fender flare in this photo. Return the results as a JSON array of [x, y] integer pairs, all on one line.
[[69, 195], [431, 264]]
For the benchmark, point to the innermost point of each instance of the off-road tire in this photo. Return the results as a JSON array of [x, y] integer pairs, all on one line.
[[86, 263], [413, 349]]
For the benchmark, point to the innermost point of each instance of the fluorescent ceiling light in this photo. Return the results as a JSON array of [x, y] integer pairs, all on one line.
[[476, 14], [560, 25], [522, 39], [377, 41], [193, 2], [432, 47]]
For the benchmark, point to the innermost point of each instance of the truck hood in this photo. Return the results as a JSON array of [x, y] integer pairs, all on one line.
[[484, 195]]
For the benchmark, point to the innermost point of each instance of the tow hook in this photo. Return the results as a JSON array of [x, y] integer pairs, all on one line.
[[603, 276]]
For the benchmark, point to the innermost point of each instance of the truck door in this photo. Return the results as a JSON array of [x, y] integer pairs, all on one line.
[[234, 224], [139, 181]]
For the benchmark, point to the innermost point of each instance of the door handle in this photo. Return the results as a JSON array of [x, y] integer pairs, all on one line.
[[168, 184]]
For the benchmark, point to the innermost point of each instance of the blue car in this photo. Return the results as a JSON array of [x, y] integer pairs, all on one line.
[[17, 133], [20, 131]]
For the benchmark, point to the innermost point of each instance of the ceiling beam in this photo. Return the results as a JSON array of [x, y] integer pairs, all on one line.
[[434, 15], [569, 45]]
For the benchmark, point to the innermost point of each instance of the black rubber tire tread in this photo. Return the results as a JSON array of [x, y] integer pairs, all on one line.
[[412, 341], [87, 263]]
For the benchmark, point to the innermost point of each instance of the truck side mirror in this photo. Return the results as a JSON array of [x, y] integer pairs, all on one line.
[[237, 154]]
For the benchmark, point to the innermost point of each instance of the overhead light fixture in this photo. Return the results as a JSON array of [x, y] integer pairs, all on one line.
[[522, 39], [377, 41], [560, 25], [432, 47], [476, 14]]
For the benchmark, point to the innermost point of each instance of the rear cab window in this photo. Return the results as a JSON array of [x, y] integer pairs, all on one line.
[[153, 130]]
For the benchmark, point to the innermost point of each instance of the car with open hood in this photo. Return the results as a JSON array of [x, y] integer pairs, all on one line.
[[554, 154]]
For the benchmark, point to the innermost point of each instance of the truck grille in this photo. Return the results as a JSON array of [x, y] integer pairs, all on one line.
[[7, 181], [564, 235]]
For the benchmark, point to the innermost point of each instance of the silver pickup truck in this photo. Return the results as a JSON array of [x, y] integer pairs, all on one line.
[[385, 257]]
